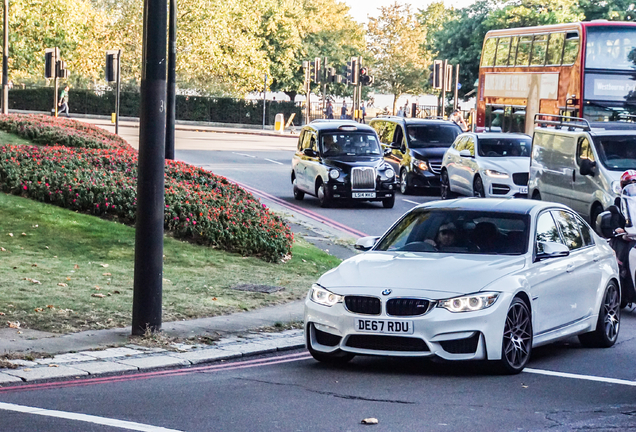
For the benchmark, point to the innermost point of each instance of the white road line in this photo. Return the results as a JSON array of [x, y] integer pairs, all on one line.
[[412, 202], [243, 154], [581, 377], [84, 417], [273, 161]]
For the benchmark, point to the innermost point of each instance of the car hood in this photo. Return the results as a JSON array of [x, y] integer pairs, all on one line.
[[507, 165], [346, 163], [433, 275], [430, 152]]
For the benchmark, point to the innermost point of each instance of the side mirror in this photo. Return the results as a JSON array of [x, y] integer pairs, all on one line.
[[608, 221], [403, 148], [552, 250], [587, 167], [465, 154], [366, 243], [310, 152], [387, 151]]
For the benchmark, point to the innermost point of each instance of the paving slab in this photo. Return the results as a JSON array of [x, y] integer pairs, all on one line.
[[64, 358], [249, 348], [23, 363], [152, 362], [4, 378], [102, 367], [112, 353], [40, 373], [206, 355]]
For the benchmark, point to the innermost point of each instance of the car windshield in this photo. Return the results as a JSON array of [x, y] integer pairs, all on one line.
[[433, 135], [349, 144], [459, 231], [504, 147], [617, 152]]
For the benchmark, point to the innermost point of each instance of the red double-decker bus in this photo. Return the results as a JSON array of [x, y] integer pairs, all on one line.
[[585, 69]]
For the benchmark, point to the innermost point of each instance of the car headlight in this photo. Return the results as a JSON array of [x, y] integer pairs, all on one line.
[[469, 303], [389, 173], [334, 174], [616, 187], [496, 174], [421, 164], [324, 297]]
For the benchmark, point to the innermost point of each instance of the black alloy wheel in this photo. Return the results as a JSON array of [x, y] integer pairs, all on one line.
[[322, 196], [445, 189], [517, 338], [405, 187], [337, 357], [389, 202], [478, 188], [298, 194], [609, 320]]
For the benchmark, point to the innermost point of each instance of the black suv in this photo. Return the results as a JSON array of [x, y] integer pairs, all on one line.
[[341, 160], [415, 148]]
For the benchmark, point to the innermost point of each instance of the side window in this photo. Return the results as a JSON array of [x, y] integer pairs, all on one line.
[[378, 126], [523, 51], [388, 129], [555, 49], [306, 136], [398, 136], [571, 48], [547, 231], [586, 231], [313, 143], [460, 144], [584, 151], [488, 53], [538, 50], [470, 145], [570, 229], [503, 49], [513, 50]]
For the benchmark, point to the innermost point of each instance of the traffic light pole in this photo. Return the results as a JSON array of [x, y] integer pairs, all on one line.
[[147, 285], [444, 71], [5, 61], [172, 81], [264, 98], [118, 87], [456, 103]]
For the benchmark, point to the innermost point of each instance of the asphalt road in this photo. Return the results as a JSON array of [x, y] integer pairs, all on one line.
[[565, 387]]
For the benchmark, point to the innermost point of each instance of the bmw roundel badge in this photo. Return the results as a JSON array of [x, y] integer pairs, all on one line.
[[387, 291]]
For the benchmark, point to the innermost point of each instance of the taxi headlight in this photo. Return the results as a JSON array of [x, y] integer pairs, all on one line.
[[389, 173], [334, 174], [469, 303], [324, 297]]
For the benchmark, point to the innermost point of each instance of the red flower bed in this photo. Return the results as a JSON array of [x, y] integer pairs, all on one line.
[[102, 180]]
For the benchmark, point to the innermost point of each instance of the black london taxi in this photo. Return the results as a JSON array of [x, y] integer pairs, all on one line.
[[339, 160]]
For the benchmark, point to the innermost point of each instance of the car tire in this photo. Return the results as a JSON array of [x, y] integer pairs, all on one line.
[[609, 320], [517, 339], [445, 189], [321, 193], [536, 196], [478, 188], [337, 357], [596, 210], [388, 202], [405, 187], [298, 194]]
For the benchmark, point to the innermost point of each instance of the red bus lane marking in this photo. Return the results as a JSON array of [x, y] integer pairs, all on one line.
[[167, 373]]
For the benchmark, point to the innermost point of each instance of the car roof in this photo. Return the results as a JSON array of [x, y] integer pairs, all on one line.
[[495, 205], [597, 129], [481, 135], [414, 120], [322, 125]]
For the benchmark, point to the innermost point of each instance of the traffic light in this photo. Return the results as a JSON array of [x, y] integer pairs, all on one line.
[[312, 70], [438, 74], [112, 65], [355, 70], [349, 71], [317, 75], [331, 75], [448, 78], [51, 55]]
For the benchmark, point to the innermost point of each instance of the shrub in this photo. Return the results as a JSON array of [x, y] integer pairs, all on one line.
[[101, 180]]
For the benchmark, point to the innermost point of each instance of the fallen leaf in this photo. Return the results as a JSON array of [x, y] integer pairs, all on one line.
[[50, 306], [27, 369], [97, 288], [35, 281], [116, 292], [105, 274], [62, 284], [34, 265], [23, 234], [14, 324], [98, 295], [2, 314], [76, 266], [370, 420], [3, 249], [68, 278], [104, 265], [38, 310], [214, 298], [524, 386], [53, 365], [109, 294], [10, 234]]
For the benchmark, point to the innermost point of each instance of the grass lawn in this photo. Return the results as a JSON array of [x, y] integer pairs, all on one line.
[[65, 272]]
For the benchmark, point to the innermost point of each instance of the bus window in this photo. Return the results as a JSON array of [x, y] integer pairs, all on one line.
[[555, 49], [513, 50], [571, 49], [488, 55], [523, 51], [518, 121], [503, 49], [538, 50]]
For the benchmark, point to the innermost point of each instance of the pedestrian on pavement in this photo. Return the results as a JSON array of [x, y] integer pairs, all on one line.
[[343, 110], [64, 101], [406, 109], [329, 110], [458, 119], [363, 111]]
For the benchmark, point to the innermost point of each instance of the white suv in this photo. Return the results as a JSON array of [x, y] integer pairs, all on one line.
[[487, 165]]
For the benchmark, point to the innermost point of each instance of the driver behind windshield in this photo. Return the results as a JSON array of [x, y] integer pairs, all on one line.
[[446, 236]]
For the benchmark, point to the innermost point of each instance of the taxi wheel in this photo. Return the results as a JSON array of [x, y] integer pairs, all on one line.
[[333, 358], [298, 194], [322, 196], [405, 187], [517, 338], [609, 320], [389, 202], [478, 188]]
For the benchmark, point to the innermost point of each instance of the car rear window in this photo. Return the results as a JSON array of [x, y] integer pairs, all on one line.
[[349, 144], [504, 147], [459, 231], [434, 135]]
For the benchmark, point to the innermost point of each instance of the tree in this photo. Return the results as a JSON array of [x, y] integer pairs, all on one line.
[[613, 10], [394, 40]]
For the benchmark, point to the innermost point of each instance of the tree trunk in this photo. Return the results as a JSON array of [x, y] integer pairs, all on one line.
[[394, 102]]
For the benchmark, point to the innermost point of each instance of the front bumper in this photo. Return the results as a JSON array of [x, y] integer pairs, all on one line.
[[343, 191], [419, 178], [503, 188], [439, 332]]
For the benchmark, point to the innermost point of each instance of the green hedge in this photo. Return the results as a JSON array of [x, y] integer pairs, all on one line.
[[195, 108]]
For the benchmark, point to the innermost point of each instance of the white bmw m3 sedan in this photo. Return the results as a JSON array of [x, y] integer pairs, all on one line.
[[468, 279]]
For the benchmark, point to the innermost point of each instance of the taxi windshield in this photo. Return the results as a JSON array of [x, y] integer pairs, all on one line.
[[349, 144]]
